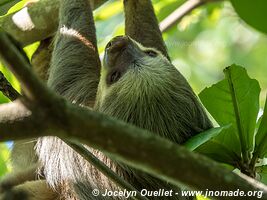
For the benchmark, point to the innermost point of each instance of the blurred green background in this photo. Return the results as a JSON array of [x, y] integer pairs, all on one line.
[[201, 45]]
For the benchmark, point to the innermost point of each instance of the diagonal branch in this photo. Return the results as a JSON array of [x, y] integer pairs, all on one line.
[[87, 155], [12, 57], [144, 150], [40, 20], [180, 12], [17, 119]]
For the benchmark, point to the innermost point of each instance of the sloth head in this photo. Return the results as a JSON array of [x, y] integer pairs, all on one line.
[[140, 86]]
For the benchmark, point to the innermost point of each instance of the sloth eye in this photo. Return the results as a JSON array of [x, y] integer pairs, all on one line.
[[109, 45], [151, 53]]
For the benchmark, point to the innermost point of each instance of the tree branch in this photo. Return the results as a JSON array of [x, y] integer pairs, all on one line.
[[7, 89], [15, 117], [145, 151], [179, 13], [87, 155], [158, 156], [10, 54], [41, 19], [35, 22]]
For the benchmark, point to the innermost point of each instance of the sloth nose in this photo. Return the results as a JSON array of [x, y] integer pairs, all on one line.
[[117, 44]]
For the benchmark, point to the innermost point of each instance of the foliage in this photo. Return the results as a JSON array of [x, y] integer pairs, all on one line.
[[252, 12], [234, 101], [6, 4]]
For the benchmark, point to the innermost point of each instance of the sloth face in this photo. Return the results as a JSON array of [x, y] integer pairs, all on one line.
[[124, 55], [130, 69], [140, 86]]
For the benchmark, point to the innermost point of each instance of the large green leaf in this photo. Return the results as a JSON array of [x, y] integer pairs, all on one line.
[[206, 143], [261, 137], [234, 100], [252, 12], [203, 137], [219, 152]]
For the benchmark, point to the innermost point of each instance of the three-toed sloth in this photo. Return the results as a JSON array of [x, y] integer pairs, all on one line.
[[137, 83]]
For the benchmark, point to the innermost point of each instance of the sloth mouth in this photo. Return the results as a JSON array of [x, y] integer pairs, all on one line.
[[114, 77], [117, 73]]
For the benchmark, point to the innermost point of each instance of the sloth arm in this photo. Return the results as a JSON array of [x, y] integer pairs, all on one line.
[[141, 24], [75, 65]]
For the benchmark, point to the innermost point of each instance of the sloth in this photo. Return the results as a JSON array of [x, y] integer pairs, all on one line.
[[137, 83]]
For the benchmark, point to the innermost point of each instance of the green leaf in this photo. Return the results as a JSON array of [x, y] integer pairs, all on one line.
[[262, 172], [203, 137], [219, 152], [261, 136], [5, 5], [207, 144], [19, 5], [252, 12], [258, 123], [5, 2], [234, 100]]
